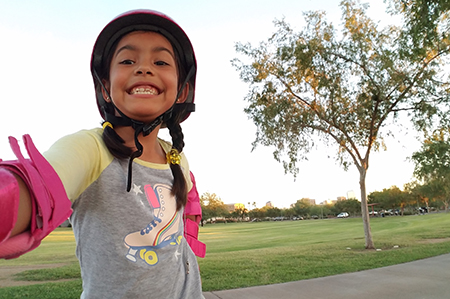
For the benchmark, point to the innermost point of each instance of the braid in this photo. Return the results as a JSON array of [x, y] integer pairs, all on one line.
[[115, 144], [179, 189]]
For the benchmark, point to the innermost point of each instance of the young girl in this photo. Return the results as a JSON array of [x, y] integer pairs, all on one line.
[[135, 206]]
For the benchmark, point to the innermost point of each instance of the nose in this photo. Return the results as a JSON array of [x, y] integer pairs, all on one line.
[[143, 69]]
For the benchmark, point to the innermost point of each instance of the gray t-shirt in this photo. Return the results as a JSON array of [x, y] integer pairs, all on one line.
[[130, 244]]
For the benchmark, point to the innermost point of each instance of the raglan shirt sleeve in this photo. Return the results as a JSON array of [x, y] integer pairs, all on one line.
[[79, 159]]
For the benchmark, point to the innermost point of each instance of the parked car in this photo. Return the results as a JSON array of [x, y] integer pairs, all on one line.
[[314, 217], [422, 210], [343, 215], [392, 212], [297, 218], [373, 213]]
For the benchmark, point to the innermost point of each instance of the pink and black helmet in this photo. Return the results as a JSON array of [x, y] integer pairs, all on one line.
[[143, 20]]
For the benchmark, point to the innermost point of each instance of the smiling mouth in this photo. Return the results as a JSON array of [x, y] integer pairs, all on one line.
[[144, 90]]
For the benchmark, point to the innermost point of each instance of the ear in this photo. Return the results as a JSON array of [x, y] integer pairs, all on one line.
[[184, 94], [104, 93]]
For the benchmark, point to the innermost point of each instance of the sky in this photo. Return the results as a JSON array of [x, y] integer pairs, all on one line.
[[46, 90]]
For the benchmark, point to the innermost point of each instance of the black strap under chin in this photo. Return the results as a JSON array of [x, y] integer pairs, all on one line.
[[140, 127], [145, 129]]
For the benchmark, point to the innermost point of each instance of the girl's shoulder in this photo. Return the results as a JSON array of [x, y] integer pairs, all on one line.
[[165, 144], [90, 136], [84, 143], [78, 159]]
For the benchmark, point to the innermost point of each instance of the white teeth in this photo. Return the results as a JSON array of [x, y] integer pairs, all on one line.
[[142, 90]]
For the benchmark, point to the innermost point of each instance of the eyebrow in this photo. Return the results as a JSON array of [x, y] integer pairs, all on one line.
[[133, 48]]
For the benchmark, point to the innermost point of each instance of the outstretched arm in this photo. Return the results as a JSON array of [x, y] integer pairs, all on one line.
[[15, 203], [33, 201], [24, 210]]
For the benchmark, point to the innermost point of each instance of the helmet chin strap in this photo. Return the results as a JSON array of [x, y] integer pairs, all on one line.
[[138, 126]]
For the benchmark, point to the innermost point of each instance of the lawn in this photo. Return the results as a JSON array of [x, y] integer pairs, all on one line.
[[248, 254]]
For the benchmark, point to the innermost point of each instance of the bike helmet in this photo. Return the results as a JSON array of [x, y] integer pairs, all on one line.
[[143, 20]]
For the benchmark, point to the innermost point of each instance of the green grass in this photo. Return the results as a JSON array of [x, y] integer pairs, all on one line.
[[65, 289], [65, 272], [248, 254], [58, 247]]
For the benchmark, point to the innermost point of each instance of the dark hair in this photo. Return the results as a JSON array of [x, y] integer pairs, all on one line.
[[116, 145]]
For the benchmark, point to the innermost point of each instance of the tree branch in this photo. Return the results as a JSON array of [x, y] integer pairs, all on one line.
[[363, 67]]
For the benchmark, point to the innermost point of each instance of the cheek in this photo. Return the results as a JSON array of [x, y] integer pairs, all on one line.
[[115, 80], [173, 79]]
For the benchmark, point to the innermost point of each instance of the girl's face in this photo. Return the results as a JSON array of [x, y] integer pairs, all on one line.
[[143, 79]]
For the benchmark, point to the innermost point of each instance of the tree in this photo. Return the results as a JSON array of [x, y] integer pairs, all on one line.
[[302, 207], [272, 212], [391, 198], [351, 206], [432, 165], [256, 213], [212, 206], [426, 21], [340, 88], [322, 210], [239, 212], [289, 212]]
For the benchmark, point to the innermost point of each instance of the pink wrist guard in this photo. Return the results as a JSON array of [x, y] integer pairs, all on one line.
[[50, 205]]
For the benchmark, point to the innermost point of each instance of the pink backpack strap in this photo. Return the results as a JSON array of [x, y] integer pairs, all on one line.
[[193, 208], [51, 207]]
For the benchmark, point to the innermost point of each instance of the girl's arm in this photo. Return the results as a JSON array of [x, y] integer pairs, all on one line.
[[192, 217], [33, 201], [15, 206], [24, 210]]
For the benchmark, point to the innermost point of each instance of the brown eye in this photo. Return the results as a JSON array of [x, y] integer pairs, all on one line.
[[127, 61], [161, 63]]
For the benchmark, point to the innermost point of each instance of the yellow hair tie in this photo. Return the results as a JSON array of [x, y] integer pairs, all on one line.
[[173, 157], [107, 124]]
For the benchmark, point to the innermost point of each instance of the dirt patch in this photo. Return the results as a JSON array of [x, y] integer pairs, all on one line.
[[433, 241], [7, 274]]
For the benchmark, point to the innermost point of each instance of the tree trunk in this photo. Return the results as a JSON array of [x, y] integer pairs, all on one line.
[[365, 210]]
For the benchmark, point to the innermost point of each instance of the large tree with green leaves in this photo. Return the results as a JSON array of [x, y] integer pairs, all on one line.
[[302, 207], [212, 206], [432, 166], [341, 87], [426, 22], [391, 198], [350, 206]]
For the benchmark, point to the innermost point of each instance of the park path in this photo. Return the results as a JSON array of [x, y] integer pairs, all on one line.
[[7, 274]]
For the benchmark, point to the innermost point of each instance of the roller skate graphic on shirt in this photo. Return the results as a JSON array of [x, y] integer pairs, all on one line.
[[160, 232]]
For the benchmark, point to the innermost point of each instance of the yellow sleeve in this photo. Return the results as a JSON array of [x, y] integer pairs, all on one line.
[[79, 159]]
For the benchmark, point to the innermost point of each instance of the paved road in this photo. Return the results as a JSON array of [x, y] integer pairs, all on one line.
[[424, 279]]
